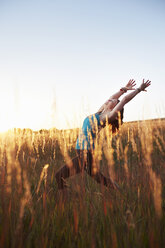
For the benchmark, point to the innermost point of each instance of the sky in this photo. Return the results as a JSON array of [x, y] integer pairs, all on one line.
[[60, 60]]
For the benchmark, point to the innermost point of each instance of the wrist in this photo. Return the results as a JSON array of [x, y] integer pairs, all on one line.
[[123, 89], [139, 90]]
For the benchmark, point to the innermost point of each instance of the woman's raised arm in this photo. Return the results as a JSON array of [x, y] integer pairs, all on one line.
[[129, 86], [111, 115]]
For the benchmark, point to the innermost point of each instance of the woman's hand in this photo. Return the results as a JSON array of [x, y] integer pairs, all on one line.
[[130, 85], [144, 85]]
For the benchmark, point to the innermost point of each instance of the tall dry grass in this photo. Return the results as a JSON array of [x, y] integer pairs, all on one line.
[[33, 213]]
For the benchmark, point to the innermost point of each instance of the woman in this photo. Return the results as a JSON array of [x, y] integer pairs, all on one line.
[[110, 112]]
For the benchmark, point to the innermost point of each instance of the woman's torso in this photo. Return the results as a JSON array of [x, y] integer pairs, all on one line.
[[88, 133]]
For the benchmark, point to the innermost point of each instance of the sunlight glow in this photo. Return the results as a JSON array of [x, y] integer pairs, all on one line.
[[84, 52]]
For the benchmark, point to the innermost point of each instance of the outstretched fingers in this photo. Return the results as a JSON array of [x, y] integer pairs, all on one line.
[[131, 84], [145, 84]]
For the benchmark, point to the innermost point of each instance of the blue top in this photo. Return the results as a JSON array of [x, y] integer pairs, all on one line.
[[88, 133]]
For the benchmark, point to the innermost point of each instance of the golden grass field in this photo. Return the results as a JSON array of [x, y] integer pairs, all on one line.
[[33, 213]]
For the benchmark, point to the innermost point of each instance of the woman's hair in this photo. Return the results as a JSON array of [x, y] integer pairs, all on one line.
[[119, 121], [114, 125]]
